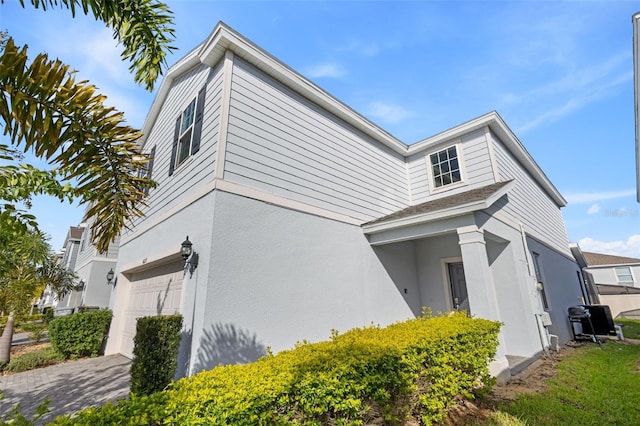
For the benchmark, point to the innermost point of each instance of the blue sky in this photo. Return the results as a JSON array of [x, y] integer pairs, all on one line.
[[559, 73]]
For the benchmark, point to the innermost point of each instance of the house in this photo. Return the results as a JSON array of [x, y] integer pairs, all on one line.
[[306, 217], [612, 280], [67, 258], [92, 268]]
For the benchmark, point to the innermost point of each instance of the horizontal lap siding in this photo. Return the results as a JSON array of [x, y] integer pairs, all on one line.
[[418, 178], [476, 158], [283, 144], [198, 169], [528, 203], [477, 168]]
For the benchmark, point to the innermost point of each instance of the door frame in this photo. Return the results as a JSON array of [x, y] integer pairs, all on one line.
[[446, 278]]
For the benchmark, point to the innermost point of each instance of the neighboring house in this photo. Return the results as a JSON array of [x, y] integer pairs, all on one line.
[[306, 217], [70, 250], [92, 268], [613, 280]]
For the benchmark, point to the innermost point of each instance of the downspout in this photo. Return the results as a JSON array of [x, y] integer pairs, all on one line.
[[542, 330]]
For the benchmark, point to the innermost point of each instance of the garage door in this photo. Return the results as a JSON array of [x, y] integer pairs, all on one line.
[[154, 292]]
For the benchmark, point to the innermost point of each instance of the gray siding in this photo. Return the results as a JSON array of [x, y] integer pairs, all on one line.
[[87, 251], [197, 170], [477, 167], [528, 203], [281, 143]]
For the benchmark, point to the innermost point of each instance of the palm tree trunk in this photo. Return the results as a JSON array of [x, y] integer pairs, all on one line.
[[5, 341]]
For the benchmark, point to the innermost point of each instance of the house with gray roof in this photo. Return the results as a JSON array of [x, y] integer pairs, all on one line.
[[304, 217], [613, 281]]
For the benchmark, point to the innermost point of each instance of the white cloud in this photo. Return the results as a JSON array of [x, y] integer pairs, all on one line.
[[592, 197], [388, 112], [360, 48], [329, 70], [594, 209], [628, 248], [580, 100]]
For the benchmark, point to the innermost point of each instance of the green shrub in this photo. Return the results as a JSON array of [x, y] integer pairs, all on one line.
[[35, 359], [81, 334], [20, 320], [413, 369], [155, 353], [36, 331], [47, 315]]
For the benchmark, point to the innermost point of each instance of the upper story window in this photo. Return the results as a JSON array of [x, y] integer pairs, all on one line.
[[186, 139], [186, 132], [623, 274], [445, 167]]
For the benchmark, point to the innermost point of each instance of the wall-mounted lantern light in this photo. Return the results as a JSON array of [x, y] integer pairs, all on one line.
[[189, 256], [186, 249], [110, 276]]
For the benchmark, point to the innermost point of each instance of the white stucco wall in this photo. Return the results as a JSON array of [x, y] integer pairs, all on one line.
[[277, 276], [561, 285], [94, 273], [430, 252]]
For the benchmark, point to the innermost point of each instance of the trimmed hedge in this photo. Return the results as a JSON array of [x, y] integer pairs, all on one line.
[[81, 334], [155, 353], [414, 369]]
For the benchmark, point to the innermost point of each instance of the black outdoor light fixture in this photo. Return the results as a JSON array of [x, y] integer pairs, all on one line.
[[186, 249], [110, 276], [190, 258]]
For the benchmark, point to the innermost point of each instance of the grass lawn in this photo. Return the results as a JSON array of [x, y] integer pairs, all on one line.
[[630, 329], [594, 386]]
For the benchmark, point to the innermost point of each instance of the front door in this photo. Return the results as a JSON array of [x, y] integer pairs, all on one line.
[[458, 287]]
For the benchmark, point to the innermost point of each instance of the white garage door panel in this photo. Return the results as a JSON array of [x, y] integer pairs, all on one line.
[[154, 292]]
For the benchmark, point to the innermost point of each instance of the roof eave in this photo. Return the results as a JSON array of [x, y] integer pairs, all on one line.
[[224, 38], [438, 214]]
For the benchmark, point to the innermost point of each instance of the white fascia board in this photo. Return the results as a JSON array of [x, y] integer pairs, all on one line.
[[453, 133], [513, 144], [183, 65], [224, 38], [576, 251], [438, 214]]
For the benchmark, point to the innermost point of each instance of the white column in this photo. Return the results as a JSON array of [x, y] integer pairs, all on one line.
[[480, 289]]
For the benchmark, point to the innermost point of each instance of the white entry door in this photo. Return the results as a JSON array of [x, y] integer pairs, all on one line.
[[157, 291]]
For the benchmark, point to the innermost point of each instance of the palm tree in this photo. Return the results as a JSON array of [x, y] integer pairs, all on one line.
[[93, 153]]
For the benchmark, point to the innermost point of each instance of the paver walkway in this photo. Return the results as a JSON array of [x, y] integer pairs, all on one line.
[[71, 386]]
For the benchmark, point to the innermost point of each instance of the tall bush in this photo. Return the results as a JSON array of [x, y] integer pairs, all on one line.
[[155, 353], [81, 334]]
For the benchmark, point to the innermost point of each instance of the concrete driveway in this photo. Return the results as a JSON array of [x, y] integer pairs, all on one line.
[[71, 386]]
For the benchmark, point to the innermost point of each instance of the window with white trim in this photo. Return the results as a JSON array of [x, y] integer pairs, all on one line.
[[186, 139], [445, 167], [186, 132], [623, 274]]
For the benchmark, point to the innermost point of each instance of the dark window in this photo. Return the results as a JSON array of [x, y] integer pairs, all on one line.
[[186, 140], [445, 167]]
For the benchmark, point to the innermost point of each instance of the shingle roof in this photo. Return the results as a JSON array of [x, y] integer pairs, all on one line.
[[75, 232], [596, 259], [448, 202]]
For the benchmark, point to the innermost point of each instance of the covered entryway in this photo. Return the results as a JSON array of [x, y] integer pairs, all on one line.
[[156, 291]]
